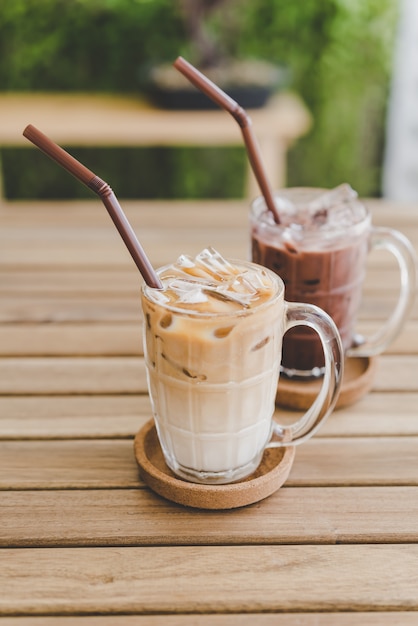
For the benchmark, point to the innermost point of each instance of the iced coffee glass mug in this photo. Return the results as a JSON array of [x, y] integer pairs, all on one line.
[[212, 345], [320, 250]]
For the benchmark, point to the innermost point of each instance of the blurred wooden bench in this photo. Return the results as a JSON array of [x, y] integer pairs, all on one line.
[[75, 119]]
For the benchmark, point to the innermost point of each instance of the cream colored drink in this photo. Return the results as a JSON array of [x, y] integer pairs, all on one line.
[[212, 341], [212, 345]]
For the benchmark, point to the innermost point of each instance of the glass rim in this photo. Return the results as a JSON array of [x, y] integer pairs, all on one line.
[[259, 214]]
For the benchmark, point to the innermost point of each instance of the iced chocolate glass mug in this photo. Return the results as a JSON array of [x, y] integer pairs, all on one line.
[[212, 345], [319, 250]]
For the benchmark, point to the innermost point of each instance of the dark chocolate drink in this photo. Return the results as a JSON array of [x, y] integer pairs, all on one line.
[[319, 250]]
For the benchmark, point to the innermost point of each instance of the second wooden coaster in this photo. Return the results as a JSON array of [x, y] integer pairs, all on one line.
[[268, 477]]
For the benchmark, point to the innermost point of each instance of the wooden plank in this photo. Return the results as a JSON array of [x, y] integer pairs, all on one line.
[[30, 248], [139, 517], [124, 281], [392, 214], [194, 579], [71, 281], [396, 373], [358, 461], [405, 343], [375, 415], [68, 464], [72, 339], [68, 255], [78, 223], [110, 309], [85, 214], [72, 375], [381, 285], [108, 375], [69, 417], [110, 252], [64, 309], [322, 462], [73, 417], [67, 239], [113, 338], [379, 618], [229, 213]]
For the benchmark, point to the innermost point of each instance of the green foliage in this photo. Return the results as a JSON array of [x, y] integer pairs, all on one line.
[[349, 106], [99, 45], [338, 52], [131, 172]]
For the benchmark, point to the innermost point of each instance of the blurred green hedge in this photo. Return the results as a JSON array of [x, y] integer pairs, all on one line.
[[338, 52]]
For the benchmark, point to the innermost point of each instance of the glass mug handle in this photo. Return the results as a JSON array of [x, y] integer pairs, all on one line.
[[298, 314], [396, 243]]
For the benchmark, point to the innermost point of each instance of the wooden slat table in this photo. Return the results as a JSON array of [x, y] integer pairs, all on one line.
[[84, 542]]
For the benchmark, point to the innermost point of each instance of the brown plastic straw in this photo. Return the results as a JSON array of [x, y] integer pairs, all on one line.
[[107, 196], [222, 99]]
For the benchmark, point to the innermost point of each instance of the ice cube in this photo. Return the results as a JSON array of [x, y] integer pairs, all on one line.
[[242, 289], [187, 267], [250, 283], [335, 209], [226, 295], [215, 264], [194, 296], [328, 200], [345, 215], [188, 291], [185, 261], [160, 297]]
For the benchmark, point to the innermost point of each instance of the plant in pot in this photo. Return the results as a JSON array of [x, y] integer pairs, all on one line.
[[212, 27]]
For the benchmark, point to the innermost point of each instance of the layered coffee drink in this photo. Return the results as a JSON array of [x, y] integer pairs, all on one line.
[[212, 344], [319, 250]]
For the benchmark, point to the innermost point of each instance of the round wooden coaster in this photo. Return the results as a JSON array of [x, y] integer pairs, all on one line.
[[357, 380], [269, 476]]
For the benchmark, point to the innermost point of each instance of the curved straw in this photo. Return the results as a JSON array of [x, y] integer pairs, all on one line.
[[107, 196], [222, 99]]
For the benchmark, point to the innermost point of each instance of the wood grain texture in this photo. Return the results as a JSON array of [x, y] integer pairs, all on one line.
[[95, 463], [209, 579], [380, 414], [72, 339], [80, 534], [67, 308], [110, 375], [138, 517], [73, 417], [126, 281], [57, 375], [380, 618], [55, 229], [50, 332]]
